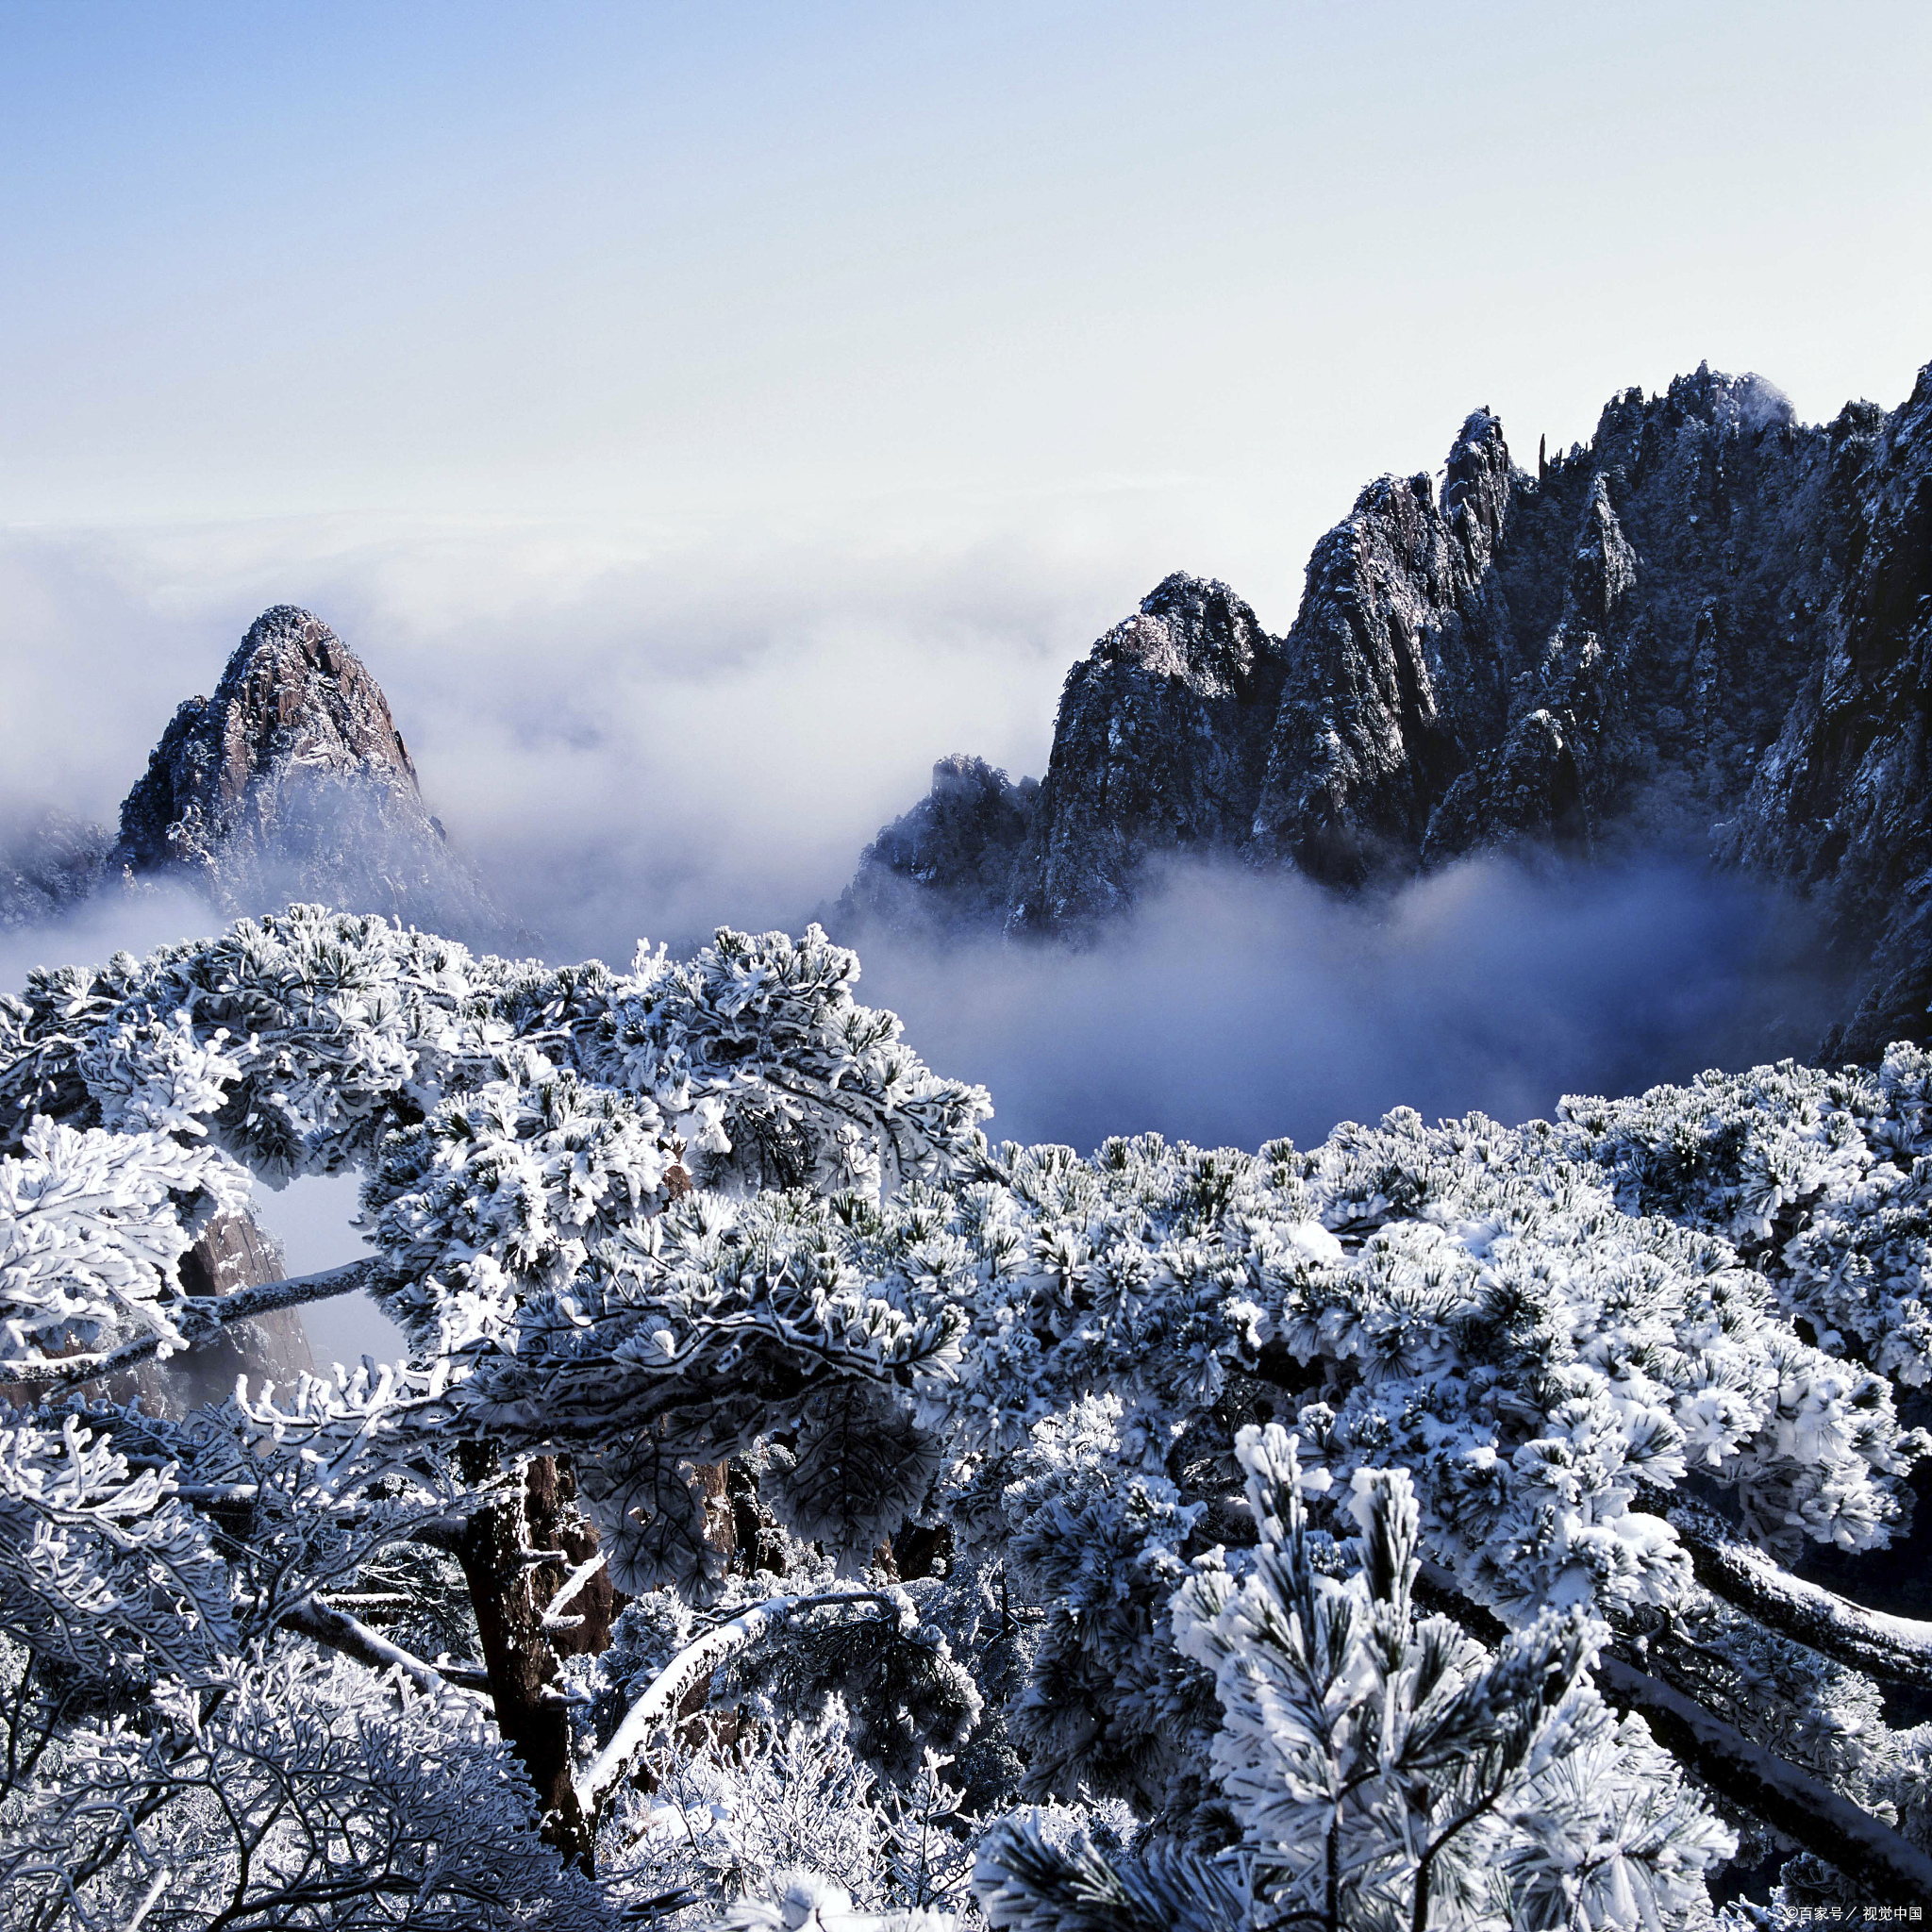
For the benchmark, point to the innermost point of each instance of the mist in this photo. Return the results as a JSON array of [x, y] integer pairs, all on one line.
[[136, 922], [629, 732], [1231, 1008], [1228, 1008], [652, 733], [656, 732]]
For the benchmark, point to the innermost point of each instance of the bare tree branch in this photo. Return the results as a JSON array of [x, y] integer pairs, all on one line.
[[198, 1317], [1805, 1808], [337, 1630], [1895, 1648]]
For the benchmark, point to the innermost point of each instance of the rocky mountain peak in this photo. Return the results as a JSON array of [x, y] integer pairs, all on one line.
[[292, 781], [1476, 484], [294, 697], [1710, 629], [1161, 736], [1604, 570], [1194, 629], [1158, 748], [946, 863]]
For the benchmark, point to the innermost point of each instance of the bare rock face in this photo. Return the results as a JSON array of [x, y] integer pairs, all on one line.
[[944, 866], [1560, 659], [1162, 740], [1160, 748], [233, 1253], [1387, 672], [1841, 802], [292, 782], [1709, 631]]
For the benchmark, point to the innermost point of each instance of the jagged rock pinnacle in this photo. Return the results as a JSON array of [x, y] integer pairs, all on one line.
[[1162, 736], [947, 861], [292, 782], [1708, 631]]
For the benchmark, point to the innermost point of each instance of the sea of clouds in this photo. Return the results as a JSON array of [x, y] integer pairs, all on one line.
[[1232, 1008], [647, 734]]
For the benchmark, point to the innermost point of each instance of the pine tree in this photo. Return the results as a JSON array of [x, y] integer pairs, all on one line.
[[1285, 1531]]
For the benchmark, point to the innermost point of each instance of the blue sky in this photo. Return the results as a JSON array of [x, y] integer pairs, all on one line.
[[608, 262], [703, 417]]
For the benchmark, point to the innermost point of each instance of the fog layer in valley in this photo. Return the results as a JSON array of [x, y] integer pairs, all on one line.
[[1231, 1008], [640, 732], [638, 743]]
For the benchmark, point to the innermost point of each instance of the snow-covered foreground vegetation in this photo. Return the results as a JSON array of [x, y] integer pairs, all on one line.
[[795, 1510]]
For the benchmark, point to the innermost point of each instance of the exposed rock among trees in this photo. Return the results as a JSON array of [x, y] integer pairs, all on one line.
[[1705, 632], [948, 861], [234, 1252]]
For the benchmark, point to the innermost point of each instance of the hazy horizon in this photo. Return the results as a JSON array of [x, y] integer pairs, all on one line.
[[701, 423]]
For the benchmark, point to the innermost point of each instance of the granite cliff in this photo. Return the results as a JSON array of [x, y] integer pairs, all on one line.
[[234, 1252], [1161, 742], [1706, 631], [291, 782]]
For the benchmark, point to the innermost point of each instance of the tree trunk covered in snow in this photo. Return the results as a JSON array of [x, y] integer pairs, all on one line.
[[517, 1558], [1803, 1808], [1896, 1648]]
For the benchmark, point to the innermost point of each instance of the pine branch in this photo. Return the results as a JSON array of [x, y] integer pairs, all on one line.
[[1805, 1808], [198, 1317], [1896, 1648], [337, 1630], [698, 1660]]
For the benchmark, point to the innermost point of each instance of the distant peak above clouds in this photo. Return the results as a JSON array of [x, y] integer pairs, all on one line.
[[291, 782], [293, 699], [1706, 631]]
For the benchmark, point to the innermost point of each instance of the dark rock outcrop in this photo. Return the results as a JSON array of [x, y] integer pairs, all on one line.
[[1158, 748], [1709, 631], [233, 1253], [1387, 672], [48, 864], [946, 864], [292, 782], [1841, 803], [1597, 655], [1162, 737]]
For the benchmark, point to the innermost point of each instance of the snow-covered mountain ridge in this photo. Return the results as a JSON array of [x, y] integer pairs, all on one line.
[[1705, 630]]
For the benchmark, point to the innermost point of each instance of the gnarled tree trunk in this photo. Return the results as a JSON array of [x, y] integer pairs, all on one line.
[[514, 1586]]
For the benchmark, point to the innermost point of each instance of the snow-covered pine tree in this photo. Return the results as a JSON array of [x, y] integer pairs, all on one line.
[[525, 1133], [766, 1432], [1387, 1771]]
